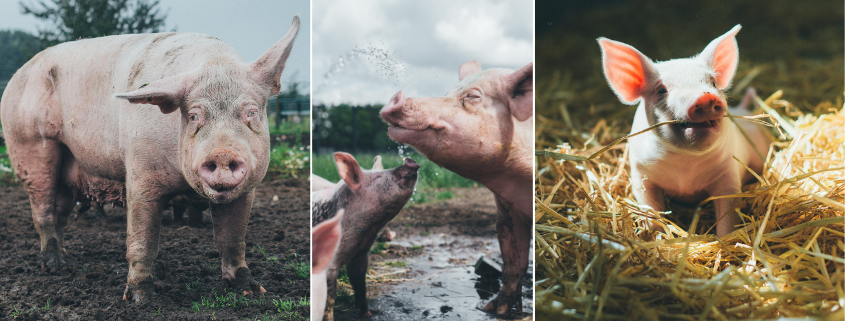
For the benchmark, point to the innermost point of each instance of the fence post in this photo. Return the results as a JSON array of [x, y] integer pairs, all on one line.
[[278, 113]]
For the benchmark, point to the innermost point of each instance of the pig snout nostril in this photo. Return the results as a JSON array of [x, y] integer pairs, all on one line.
[[210, 166], [233, 166]]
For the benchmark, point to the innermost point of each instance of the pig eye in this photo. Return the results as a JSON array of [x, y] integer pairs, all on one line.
[[251, 113], [193, 117], [661, 90]]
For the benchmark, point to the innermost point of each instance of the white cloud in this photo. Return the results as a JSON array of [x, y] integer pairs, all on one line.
[[412, 46]]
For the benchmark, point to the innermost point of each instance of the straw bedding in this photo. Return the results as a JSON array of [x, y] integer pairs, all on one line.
[[596, 260]]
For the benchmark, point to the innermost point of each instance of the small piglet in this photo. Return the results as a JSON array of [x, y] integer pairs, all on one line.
[[692, 160], [325, 239], [483, 129], [138, 120], [370, 200]]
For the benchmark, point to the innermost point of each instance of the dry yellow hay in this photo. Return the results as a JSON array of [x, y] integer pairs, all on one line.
[[595, 259]]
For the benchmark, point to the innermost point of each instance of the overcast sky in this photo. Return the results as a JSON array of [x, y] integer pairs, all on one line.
[[415, 46], [251, 27]]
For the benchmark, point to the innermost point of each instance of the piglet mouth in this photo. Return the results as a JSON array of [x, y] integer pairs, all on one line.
[[703, 124]]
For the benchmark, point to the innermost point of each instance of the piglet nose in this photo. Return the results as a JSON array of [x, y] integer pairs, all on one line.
[[411, 163], [223, 169], [707, 107]]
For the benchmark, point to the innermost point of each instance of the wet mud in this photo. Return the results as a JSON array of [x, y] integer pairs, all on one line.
[[187, 269], [427, 271]]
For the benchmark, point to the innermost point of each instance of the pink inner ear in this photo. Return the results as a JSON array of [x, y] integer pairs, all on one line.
[[624, 70], [326, 236], [725, 59], [349, 170]]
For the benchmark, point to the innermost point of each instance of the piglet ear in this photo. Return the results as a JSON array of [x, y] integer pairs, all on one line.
[[349, 170], [722, 54], [377, 166], [626, 69], [167, 93], [519, 87], [469, 68], [325, 240], [268, 68]]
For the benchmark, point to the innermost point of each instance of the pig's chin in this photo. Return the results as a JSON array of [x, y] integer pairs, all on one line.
[[696, 137], [219, 196], [417, 138]]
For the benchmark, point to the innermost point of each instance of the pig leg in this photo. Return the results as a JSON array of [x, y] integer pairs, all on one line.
[[357, 269], [143, 217], [331, 292], [39, 172], [230, 222], [514, 234], [648, 194], [726, 218]]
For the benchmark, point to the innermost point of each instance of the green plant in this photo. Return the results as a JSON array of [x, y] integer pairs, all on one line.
[[193, 286], [378, 248], [15, 314], [47, 306], [302, 269], [274, 259], [289, 161], [416, 247]]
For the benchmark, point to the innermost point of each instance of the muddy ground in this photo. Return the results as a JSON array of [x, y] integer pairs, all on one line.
[[427, 271], [187, 269]]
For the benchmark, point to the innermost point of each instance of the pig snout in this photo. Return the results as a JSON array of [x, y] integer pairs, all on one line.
[[706, 108], [392, 110], [223, 170], [407, 173]]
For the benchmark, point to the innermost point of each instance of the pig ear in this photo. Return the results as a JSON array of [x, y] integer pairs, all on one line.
[[626, 69], [349, 170], [722, 54], [469, 68], [520, 90], [167, 93], [268, 68], [326, 238], [377, 166]]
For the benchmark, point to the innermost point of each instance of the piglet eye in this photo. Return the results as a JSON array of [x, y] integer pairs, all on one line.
[[661, 90]]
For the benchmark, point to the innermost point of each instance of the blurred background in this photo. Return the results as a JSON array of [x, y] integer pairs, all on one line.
[[792, 46]]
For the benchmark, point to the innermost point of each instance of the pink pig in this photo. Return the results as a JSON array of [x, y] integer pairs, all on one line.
[[482, 130], [692, 160], [325, 239], [140, 119]]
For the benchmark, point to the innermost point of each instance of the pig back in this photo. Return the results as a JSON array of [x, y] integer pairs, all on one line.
[[66, 93]]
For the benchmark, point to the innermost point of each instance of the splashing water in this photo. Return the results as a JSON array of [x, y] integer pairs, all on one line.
[[382, 59]]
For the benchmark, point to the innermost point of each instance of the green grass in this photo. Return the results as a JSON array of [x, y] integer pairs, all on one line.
[[301, 269], [289, 161], [396, 263], [378, 248], [291, 128], [433, 181]]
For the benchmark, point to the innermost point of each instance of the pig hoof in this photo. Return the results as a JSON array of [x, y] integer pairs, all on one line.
[[140, 292], [52, 257], [243, 281], [502, 304]]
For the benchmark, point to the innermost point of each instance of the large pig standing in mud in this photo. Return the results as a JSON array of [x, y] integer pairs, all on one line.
[[692, 160], [139, 119], [370, 199], [482, 130]]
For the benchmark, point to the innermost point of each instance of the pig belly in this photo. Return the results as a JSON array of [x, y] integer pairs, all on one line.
[[92, 187]]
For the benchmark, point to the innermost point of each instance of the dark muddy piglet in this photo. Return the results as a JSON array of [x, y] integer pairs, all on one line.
[[137, 120], [482, 130], [370, 200]]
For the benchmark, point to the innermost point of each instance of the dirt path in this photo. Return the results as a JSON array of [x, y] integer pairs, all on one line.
[[187, 268], [427, 272]]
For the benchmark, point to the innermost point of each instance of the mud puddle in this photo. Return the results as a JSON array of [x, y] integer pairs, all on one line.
[[428, 271]]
